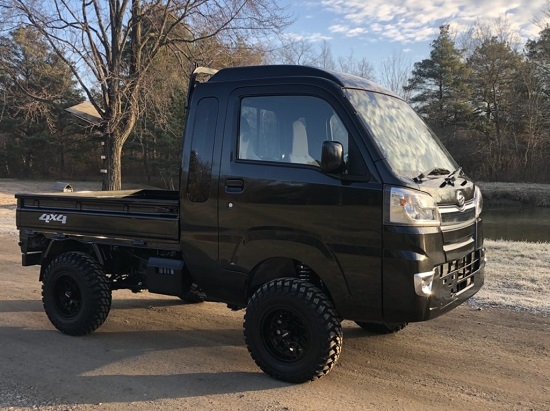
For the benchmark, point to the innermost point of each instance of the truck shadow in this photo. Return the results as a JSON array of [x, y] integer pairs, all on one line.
[[352, 332], [140, 303], [156, 360], [15, 306], [19, 306], [111, 367]]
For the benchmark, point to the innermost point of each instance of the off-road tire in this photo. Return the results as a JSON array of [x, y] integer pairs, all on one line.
[[76, 294], [292, 330], [381, 328]]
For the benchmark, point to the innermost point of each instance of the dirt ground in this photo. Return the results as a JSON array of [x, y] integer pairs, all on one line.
[[155, 353]]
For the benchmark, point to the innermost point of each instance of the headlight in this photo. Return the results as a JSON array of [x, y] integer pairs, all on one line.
[[410, 207], [478, 201]]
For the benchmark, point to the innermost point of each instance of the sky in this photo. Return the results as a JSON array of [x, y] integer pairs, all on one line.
[[375, 29]]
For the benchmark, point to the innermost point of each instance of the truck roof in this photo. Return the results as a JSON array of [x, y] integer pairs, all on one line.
[[285, 71]]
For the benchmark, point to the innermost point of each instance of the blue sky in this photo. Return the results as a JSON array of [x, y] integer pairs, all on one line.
[[377, 28]]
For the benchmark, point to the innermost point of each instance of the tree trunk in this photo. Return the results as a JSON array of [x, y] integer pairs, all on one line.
[[145, 154], [113, 179], [61, 170], [6, 162]]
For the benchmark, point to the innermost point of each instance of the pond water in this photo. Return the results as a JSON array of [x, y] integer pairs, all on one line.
[[518, 224]]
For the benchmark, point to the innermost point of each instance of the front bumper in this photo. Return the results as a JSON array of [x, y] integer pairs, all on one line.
[[411, 253]]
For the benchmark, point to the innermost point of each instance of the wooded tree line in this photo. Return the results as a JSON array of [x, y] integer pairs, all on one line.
[[489, 102], [485, 94]]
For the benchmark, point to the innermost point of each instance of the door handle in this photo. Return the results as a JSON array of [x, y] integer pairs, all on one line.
[[234, 186]]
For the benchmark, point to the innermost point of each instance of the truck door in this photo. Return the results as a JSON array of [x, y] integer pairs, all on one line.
[[274, 200]]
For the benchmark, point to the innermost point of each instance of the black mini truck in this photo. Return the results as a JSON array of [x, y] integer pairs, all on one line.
[[306, 197]]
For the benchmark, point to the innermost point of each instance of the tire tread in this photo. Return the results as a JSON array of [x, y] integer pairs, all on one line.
[[299, 289], [95, 280]]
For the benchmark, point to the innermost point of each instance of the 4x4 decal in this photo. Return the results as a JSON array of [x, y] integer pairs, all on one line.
[[58, 218]]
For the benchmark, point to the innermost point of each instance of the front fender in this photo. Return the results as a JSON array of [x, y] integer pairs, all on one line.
[[261, 244]]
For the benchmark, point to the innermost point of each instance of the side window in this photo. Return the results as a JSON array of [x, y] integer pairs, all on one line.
[[338, 132], [288, 129], [258, 134], [202, 147]]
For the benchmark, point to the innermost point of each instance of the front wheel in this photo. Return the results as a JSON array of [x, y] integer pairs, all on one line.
[[76, 294], [292, 330]]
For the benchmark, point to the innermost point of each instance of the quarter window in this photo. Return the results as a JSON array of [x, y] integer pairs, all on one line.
[[202, 147]]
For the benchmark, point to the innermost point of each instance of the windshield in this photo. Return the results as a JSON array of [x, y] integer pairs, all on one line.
[[407, 143]]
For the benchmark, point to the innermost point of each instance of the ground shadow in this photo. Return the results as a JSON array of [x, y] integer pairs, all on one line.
[[20, 306], [49, 360], [15, 306]]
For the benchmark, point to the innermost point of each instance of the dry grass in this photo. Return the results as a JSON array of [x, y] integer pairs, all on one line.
[[517, 276], [507, 194], [9, 187]]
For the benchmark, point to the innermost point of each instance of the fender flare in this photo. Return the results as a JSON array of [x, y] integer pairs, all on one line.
[[57, 247], [262, 245]]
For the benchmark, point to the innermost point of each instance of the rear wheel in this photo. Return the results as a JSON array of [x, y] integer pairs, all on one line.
[[381, 328], [76, 294], [292, 330]]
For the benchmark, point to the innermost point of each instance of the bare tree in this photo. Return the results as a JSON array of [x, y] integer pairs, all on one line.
[[302, 51], [480, 31], [294, 51], [361, 68], [110, 45], [326, 59], [395, 71]]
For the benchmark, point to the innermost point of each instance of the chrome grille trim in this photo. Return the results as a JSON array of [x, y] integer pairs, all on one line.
[[453, 215], [458, 276]]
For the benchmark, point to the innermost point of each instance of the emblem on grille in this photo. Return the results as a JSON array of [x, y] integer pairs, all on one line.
[[460, 200]]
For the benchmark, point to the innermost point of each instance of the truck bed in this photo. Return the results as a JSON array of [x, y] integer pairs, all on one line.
[[139, 216]]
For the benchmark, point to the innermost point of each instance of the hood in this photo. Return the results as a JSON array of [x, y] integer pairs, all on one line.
[[446, 194]]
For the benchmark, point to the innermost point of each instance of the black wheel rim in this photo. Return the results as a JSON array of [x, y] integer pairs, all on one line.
[[285, 335], [67, 297]]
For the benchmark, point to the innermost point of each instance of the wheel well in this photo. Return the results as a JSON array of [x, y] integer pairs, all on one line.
[[280, 267], [58, 247]]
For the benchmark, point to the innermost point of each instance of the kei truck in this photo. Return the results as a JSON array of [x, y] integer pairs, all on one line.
[[306, 197]]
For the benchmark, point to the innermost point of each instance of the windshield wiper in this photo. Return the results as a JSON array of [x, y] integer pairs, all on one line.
[[436, 171], [457, 171], [451, 178]]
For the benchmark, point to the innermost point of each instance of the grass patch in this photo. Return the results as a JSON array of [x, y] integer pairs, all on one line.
[[515, 194], [517, 276]]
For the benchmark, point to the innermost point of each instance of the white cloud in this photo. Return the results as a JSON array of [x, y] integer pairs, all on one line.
[[356, 31], [347, 31], [409, 21], [338, 28], [309, 37]]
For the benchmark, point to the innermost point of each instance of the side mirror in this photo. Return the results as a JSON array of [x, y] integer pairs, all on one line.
[[332, 157]]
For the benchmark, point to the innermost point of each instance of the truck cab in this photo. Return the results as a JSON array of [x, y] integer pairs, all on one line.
[[306, 196], [296, 165]]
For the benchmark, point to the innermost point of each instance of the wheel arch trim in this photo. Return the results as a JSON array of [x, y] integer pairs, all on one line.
[[57, 247]]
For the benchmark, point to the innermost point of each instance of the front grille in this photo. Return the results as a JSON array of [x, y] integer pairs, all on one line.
[[452, 215], [458, 217], [458, 275]]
